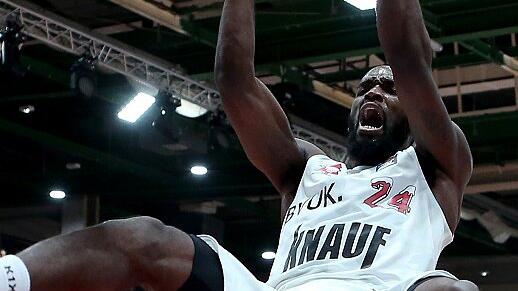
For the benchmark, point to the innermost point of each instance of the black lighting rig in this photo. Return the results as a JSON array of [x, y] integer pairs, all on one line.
[[11, 42]]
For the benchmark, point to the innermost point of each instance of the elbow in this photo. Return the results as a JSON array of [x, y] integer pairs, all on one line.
[[222, 74]]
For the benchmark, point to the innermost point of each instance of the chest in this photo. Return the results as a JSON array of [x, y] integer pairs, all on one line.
[[382, 190]]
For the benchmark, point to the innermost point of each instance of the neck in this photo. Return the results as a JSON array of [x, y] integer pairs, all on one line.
[[353, 162]]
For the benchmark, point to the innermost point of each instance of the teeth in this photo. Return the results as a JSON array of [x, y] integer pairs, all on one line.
[[370, 127]]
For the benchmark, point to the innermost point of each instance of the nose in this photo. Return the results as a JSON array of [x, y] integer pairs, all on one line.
[[374, 96]]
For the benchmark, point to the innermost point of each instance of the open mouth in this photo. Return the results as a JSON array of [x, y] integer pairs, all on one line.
[[371, 119]]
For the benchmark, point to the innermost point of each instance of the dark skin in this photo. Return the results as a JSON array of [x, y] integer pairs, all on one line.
[[410, 99], [406, 95], [118, 255]]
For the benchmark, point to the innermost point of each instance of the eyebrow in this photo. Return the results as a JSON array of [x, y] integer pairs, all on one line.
[[371, 80]]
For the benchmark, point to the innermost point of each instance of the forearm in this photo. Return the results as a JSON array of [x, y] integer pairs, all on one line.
[[236, 43], [85, 260], [403, 34]]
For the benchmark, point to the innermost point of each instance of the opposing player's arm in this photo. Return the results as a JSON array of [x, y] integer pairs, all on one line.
[[406, 44], [258, 119]]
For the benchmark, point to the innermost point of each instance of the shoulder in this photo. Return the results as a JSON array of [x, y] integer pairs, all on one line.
[[308, 149], [460, 165]]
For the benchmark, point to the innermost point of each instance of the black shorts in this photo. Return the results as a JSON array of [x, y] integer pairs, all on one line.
[[207, 273]]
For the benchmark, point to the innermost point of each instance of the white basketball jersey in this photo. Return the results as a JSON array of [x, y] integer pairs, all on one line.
[[370, 226]]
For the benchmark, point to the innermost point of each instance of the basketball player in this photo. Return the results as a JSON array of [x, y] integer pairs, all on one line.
[[376, 222]]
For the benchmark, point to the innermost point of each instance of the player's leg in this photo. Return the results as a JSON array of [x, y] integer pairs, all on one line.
[[115, 255], [443, 284]]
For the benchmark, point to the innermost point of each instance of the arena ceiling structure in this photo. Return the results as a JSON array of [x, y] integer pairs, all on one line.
[[59, 126]]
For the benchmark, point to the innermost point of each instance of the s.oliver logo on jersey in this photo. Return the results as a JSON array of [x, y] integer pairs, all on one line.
[[331, 170]]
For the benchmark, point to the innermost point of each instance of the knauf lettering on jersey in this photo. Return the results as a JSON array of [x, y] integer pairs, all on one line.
[[332, 246], [380, 223]]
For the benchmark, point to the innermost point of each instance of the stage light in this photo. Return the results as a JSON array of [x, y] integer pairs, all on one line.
[[57, 194], [199, 170], [484, 273], [73, 166], [436, 46], [136, 107], [11, 42], [190, 110], [27, 109], [83, 78], [268, 255], [362, 4]]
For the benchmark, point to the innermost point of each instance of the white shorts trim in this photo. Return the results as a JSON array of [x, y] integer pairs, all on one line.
[[14, 274], [434, 273], [235, 275]]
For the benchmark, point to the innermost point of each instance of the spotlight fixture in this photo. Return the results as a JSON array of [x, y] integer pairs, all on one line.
[[57, 194], [83, 79], [136, 107], [268, 255], [27, 109], [363, 4], [199, 170], [11, 42], [190, 110], [73, 166], [164, 122], [484, 273], [436, 46]]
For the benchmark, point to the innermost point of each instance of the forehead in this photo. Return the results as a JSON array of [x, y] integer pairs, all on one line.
[[381, 72]]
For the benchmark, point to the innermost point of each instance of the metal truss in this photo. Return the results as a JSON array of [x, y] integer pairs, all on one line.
[[333, 149], [60, 33], [63, 34]]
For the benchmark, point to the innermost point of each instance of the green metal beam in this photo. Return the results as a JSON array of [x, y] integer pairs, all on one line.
[[438, 63], [199, 33], [46, 70], [32, 97], [480, 130], [484, 50], [84, 152], [269, 68]]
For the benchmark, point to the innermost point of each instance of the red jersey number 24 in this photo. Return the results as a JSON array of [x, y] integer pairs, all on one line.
[[400, 202]]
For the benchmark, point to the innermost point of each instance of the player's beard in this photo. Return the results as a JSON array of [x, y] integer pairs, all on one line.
[[373, 151]]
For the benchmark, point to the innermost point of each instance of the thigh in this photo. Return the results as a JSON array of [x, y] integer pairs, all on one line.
[[444, 284], [162, 255], [434, 283]]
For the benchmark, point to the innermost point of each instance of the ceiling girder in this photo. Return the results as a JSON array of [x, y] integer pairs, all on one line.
[[87, 153], [269, 68], [61, 33], [170, 20], [492, 54]]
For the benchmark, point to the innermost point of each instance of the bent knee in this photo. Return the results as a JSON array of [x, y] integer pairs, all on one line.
[[463, 285], [134, 234], [148, 238]]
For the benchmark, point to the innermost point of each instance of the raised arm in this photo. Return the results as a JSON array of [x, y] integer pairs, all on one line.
[[440, 143], [258, 119], [407, 48]]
